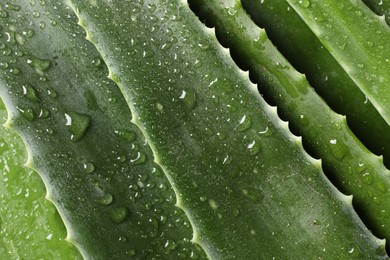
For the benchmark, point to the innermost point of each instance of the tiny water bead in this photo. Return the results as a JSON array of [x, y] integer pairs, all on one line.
[[118, 215], [40, 65], [141, 158], [188, 97], [244, 124], [30, 93], [106, 199], [89, 167], [44, 113], [126, 135], [77, 125], [27, 113], [12, 7], [254, 147], [304, 3], [52, 93]]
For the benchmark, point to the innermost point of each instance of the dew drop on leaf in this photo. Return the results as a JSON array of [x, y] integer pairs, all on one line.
[[126, 135], [118, 215], [29, 93], [52, 93], [44, 113], [77, 125], [131, 252], [40, 65], [254, 147], [12, 7], [188, 97], [244, 124], [89, 167], [141, 158], [106, 199], [27, 113]]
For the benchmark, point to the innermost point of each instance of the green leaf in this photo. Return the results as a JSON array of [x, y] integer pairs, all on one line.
[[305, 52], [97, 168], [29, 224], [349, 30], [349, 163], [245, 182], [380, 7]]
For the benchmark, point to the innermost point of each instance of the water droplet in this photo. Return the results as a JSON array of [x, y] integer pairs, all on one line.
[[77, 125], [152, 227], [44, 113], [213, 204], [29, 93], [40, 65], [122, 239], [97, 62], [7, 52], [36, 14], [3, 14], [141, 158], [245, 123], [203, 198], [13, 7], [52, 93], [381, 186], [254, 147], [27, 113], [367, 178], [29, 33], [339, 150], [89, 167], [15, 71], [106, 200], [131, 252], [118, 215], [304, 3], [170, 245], [126, 135], [188, 97]]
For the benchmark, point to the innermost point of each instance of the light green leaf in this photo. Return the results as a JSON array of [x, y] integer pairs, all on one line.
[[29, 225]]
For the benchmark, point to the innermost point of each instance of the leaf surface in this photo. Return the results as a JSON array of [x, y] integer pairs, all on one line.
[[98, 171], [349, 163], [349, 30], [245, 182], [30, 225], [305, 52]]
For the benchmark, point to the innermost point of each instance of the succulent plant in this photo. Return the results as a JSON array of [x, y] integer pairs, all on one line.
[[172, 129]]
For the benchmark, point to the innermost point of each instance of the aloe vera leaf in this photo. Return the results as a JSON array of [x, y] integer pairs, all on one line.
[[380, 7], [306, 53], [352, 167], [358, 40], [114, 200], [30, 226], [245, 182]]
